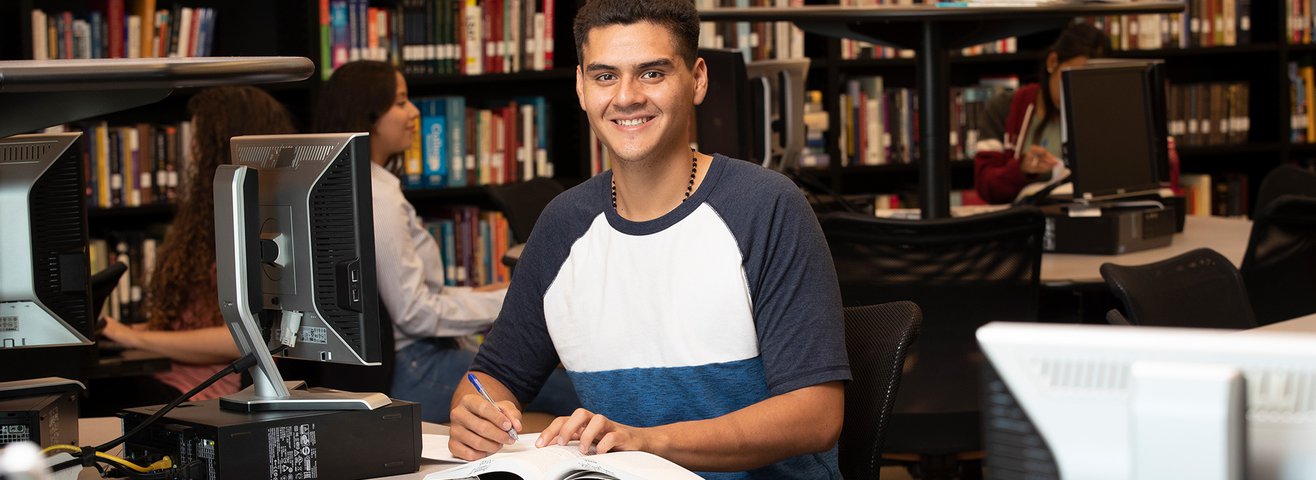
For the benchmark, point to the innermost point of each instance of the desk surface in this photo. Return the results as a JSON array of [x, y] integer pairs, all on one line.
[[1225, 235], [1306, 324], [129, 362], [95, 431]]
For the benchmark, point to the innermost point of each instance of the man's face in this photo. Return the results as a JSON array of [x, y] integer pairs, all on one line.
[[637, 91]]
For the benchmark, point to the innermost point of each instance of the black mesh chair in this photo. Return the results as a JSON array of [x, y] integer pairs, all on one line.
[[962, 273], [1285, 180], [522, 202], [1200, 288], [876, 338], [1279, 266]]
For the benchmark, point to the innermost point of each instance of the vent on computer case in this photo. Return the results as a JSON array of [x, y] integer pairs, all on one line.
[[1083, 374], [1015, 449], [59, 260], [331, 207], [1281, 395], [27, 152], [282, 156]]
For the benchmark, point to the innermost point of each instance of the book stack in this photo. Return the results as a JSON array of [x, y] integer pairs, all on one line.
[[879, 125], [119, 30], [459, 145], [755, 40], [472, 244], [134, 165], [440, 37], [1204, 23], [1208, 113], [137, 251]]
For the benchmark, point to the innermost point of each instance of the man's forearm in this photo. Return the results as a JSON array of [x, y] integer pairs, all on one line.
[[804, 421]]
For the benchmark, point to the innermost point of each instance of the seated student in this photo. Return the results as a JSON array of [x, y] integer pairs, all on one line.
[[691, 297], [370, 96], [182, 297], [1032, 113]]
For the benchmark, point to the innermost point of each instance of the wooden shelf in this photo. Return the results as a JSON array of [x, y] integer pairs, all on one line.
[[1196, 151], [517, 77], [1252, 48]]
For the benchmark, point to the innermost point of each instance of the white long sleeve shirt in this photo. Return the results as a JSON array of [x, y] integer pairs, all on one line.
[[410, 273]]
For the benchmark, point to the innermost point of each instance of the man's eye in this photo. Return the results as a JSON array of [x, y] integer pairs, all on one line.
[[606, 77], [651, 74]]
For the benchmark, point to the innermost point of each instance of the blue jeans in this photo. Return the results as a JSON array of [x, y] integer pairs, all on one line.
[[428, 372]]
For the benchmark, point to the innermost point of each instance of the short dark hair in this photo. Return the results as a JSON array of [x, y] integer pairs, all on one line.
[[1078, 40], [355, 96], [678, 16]]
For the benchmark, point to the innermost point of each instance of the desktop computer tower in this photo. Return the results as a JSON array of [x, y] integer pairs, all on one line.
[[217, 444], [1114, 231], [45, 419]]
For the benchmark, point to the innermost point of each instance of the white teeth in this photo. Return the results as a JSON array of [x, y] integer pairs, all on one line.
[[632, 122]]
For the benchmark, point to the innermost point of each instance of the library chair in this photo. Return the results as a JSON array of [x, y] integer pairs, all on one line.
[[1200, 288], [962, 272], [1285, 180], [102, 283], [876, 339], [1279, 265], [522, 202]]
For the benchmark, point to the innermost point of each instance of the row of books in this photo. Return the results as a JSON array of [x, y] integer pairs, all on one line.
[[133, 165], [1204, 23], [1208, 113], [471, 244], [118, 33], [880, 125], [137, 251], [1302, 102], [459, 145], [446, 37], [816, 124], [1299, 21], [755, 40], [1220, 195]]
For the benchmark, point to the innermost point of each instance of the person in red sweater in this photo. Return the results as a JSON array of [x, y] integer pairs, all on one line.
[[1004, 163]]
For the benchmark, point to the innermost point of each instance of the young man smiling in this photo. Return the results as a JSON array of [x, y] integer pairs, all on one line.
[[691, 298]]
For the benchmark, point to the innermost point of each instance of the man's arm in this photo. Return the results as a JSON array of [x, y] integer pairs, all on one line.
[[798, 422]]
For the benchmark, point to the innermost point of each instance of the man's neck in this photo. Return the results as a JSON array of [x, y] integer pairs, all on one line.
[[648, 190]]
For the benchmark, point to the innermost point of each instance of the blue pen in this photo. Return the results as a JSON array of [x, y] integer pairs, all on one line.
[[480, 388]]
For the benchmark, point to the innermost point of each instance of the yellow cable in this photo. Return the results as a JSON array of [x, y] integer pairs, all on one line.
[[159, 465]]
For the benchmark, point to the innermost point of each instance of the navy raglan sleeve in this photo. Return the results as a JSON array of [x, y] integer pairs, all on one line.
[[797, 301], [518, 350]]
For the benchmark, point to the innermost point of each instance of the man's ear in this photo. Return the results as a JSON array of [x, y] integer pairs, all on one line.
[[700, 72], [1052, 63]]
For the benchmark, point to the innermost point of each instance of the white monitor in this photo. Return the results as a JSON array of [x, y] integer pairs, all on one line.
[[1108, 402]]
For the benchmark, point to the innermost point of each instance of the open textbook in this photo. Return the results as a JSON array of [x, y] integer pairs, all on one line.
[[557, 462]]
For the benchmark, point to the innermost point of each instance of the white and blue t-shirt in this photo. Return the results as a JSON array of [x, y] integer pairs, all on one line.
[[727, 300]]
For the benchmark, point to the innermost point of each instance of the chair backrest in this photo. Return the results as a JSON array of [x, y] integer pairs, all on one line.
[[102, 284], [962, 272], [1200, 288], [876, 338], [1285, 180], [522, 202], [1279, 266]]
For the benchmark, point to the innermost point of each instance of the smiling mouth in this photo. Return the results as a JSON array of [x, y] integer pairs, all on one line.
[[632, 122]]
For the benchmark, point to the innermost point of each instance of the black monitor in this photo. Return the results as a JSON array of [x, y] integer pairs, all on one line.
[[44, 294], [726, 121], [295, 258], [1114, 129]]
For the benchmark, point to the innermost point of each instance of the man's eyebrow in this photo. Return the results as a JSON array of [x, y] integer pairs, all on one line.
[[594, 67], [662, 62]]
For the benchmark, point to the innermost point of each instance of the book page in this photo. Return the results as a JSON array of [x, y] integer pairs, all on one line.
[[620, 466], [527, 464], [435, 447]]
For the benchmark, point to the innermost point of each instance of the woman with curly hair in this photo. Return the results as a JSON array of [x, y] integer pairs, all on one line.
[[182, 299]]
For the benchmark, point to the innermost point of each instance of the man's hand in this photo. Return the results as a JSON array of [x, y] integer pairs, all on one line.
[[597, 431], [1037, 160], [478, 429]]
